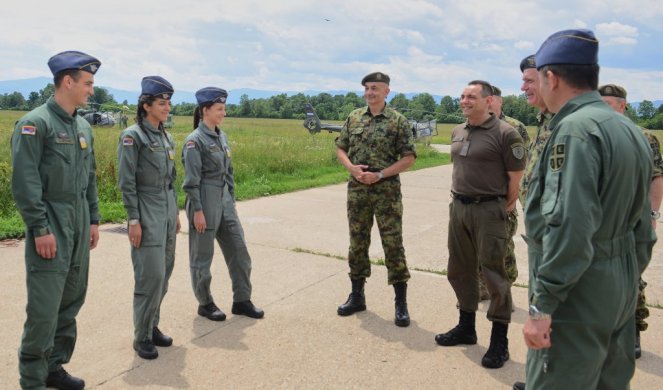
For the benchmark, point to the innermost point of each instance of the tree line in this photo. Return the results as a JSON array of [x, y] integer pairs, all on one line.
[[330, 107]]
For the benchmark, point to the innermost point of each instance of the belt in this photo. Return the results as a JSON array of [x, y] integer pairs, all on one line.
[[467, 199]]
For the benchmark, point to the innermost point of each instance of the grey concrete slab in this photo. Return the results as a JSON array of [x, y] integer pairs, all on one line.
[[295, 240]]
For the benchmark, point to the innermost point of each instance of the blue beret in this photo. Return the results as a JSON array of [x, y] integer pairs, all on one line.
[[156, 86], [573, 47], [73, 60], [211, 95]]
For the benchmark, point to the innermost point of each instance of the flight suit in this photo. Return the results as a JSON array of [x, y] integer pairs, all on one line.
[[210, 186], [377, 141], [54, 186], [146, 161], [588, 235]]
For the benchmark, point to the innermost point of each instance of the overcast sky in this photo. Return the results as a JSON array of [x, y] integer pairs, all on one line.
[[295, 45]]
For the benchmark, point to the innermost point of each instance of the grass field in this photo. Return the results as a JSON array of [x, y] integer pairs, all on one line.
[[270, 156]]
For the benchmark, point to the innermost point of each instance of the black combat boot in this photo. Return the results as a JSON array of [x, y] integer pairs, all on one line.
[[519, 386], [159, 339], [356, 301], [463, 333], [402, 317], [498, 351], [60, 379], [638, 349], [247, 308]]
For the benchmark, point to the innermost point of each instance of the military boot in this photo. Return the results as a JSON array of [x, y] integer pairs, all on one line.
[[498, 350], [463, 333], [638, 349], [61, 379], [356, 300], [519, 386], [402, 317]]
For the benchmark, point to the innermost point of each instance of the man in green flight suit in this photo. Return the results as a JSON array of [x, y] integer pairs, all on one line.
[[55, 189], [586, 215], [615, 97], [375, 145]]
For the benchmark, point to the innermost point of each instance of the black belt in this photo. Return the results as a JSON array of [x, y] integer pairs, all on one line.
[[467, 199]]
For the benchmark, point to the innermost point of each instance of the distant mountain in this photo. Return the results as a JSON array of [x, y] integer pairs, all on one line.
[[25, 86], [656, 104]]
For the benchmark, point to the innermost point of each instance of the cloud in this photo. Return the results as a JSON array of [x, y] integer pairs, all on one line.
[[615, 33], [433, 46]]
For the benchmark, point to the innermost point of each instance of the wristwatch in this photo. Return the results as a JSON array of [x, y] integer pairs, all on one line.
[[655, 214], [380, 175], [134, 222], [536, 314]]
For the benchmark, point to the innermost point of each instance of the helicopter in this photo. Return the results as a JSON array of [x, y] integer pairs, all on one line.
[[422, 130], [96, 117]]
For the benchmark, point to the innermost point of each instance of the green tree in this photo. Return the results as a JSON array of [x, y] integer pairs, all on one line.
[[33, 100], [399, 102], [646, 109], [244, 106], [101, 96], [448, 105], [426, 101]]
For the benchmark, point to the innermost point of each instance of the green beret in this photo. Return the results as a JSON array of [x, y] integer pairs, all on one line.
[[496, 91], [375, 77], [612, 90], [528, 62]]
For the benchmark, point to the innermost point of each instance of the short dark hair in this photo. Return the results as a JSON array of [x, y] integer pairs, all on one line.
[[576, 76], [73, 73], [486, 88]]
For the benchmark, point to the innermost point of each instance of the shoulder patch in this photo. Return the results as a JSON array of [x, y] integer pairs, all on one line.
[[190, 144], [127, 141], [518, 150], [28, 130], [557, 157]]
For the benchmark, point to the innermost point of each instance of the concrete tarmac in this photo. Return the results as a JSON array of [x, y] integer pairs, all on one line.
[[298, 243]]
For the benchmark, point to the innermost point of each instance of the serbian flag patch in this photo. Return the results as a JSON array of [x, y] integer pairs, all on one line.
[[127, 141], [190, 145], [28, 130]]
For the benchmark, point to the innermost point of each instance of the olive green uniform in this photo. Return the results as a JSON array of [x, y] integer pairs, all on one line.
[[146, 161], [377, 141], [210, 186], [482, 156], [586, 216], [54, 185]]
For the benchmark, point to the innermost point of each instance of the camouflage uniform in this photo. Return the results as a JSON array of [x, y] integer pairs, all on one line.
[[641, 310], [534, 151], [378, 142], [510, 264]]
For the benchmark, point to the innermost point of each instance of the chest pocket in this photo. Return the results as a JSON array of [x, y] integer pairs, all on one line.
[[550, 204], [62, 146], [215, 155]]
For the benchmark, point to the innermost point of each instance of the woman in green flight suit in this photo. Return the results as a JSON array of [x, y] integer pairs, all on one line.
[[210, 207], [146, 160]]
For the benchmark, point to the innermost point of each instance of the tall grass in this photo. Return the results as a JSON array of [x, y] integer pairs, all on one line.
[[270, 156]]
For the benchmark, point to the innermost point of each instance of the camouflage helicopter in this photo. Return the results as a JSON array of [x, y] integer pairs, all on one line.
[[421, 130], [96, 117]]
